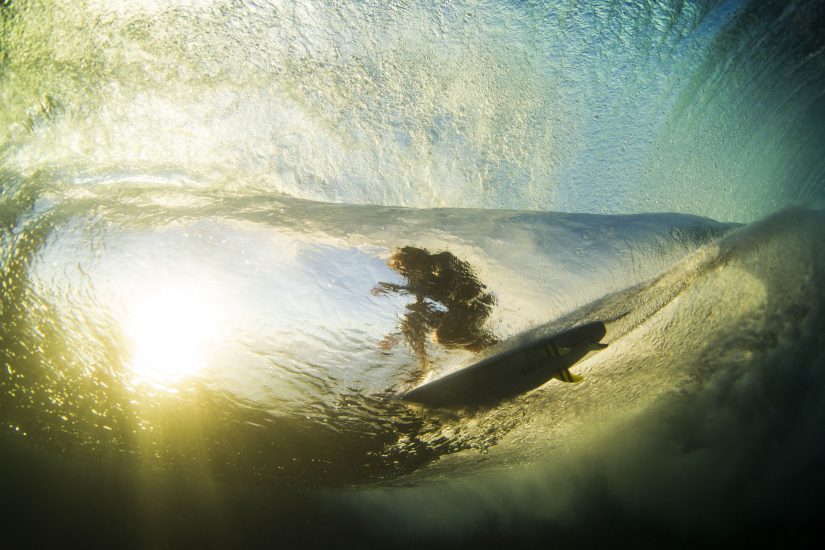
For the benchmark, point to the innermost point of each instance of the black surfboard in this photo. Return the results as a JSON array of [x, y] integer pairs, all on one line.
[[513, 371]]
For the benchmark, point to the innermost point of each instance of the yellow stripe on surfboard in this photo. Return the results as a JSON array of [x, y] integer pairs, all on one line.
[[567, 376]]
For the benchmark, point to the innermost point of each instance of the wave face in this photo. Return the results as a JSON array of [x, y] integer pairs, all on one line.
[[282, 321], [232, 232]]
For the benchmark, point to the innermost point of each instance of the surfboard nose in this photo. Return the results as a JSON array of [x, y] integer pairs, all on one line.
[[589, 333]]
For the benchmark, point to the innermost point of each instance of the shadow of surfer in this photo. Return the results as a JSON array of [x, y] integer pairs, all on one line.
[[451, 305]]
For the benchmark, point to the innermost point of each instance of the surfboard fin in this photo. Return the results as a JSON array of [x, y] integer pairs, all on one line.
[[567, 376]]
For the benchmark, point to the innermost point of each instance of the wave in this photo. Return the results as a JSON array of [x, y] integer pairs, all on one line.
[[229, 229], [701, 414], [288, 317]]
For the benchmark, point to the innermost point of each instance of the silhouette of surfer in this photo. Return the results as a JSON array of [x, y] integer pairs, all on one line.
[[451, 305]]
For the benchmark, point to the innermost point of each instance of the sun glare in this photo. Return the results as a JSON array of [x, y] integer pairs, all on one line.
[[170, 333]]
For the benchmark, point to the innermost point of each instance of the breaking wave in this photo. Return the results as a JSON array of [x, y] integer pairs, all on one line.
[[204, 208]]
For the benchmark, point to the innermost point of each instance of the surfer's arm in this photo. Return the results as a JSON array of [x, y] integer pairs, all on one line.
[[382, 289]]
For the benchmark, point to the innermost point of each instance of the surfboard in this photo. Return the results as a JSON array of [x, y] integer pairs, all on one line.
[[513, 371]]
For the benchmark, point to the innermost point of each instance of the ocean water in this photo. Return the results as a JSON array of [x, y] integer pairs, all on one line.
[[233, 233]]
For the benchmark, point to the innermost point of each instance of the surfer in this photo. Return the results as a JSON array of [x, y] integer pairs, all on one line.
[[451, 305]]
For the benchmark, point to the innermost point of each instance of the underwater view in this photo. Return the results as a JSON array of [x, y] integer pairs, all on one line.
[[315, 273]]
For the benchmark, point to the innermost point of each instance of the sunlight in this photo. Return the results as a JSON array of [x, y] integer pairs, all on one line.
[[170, 333]]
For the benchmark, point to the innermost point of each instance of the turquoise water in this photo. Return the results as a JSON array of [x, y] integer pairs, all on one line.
[[205, 320]]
